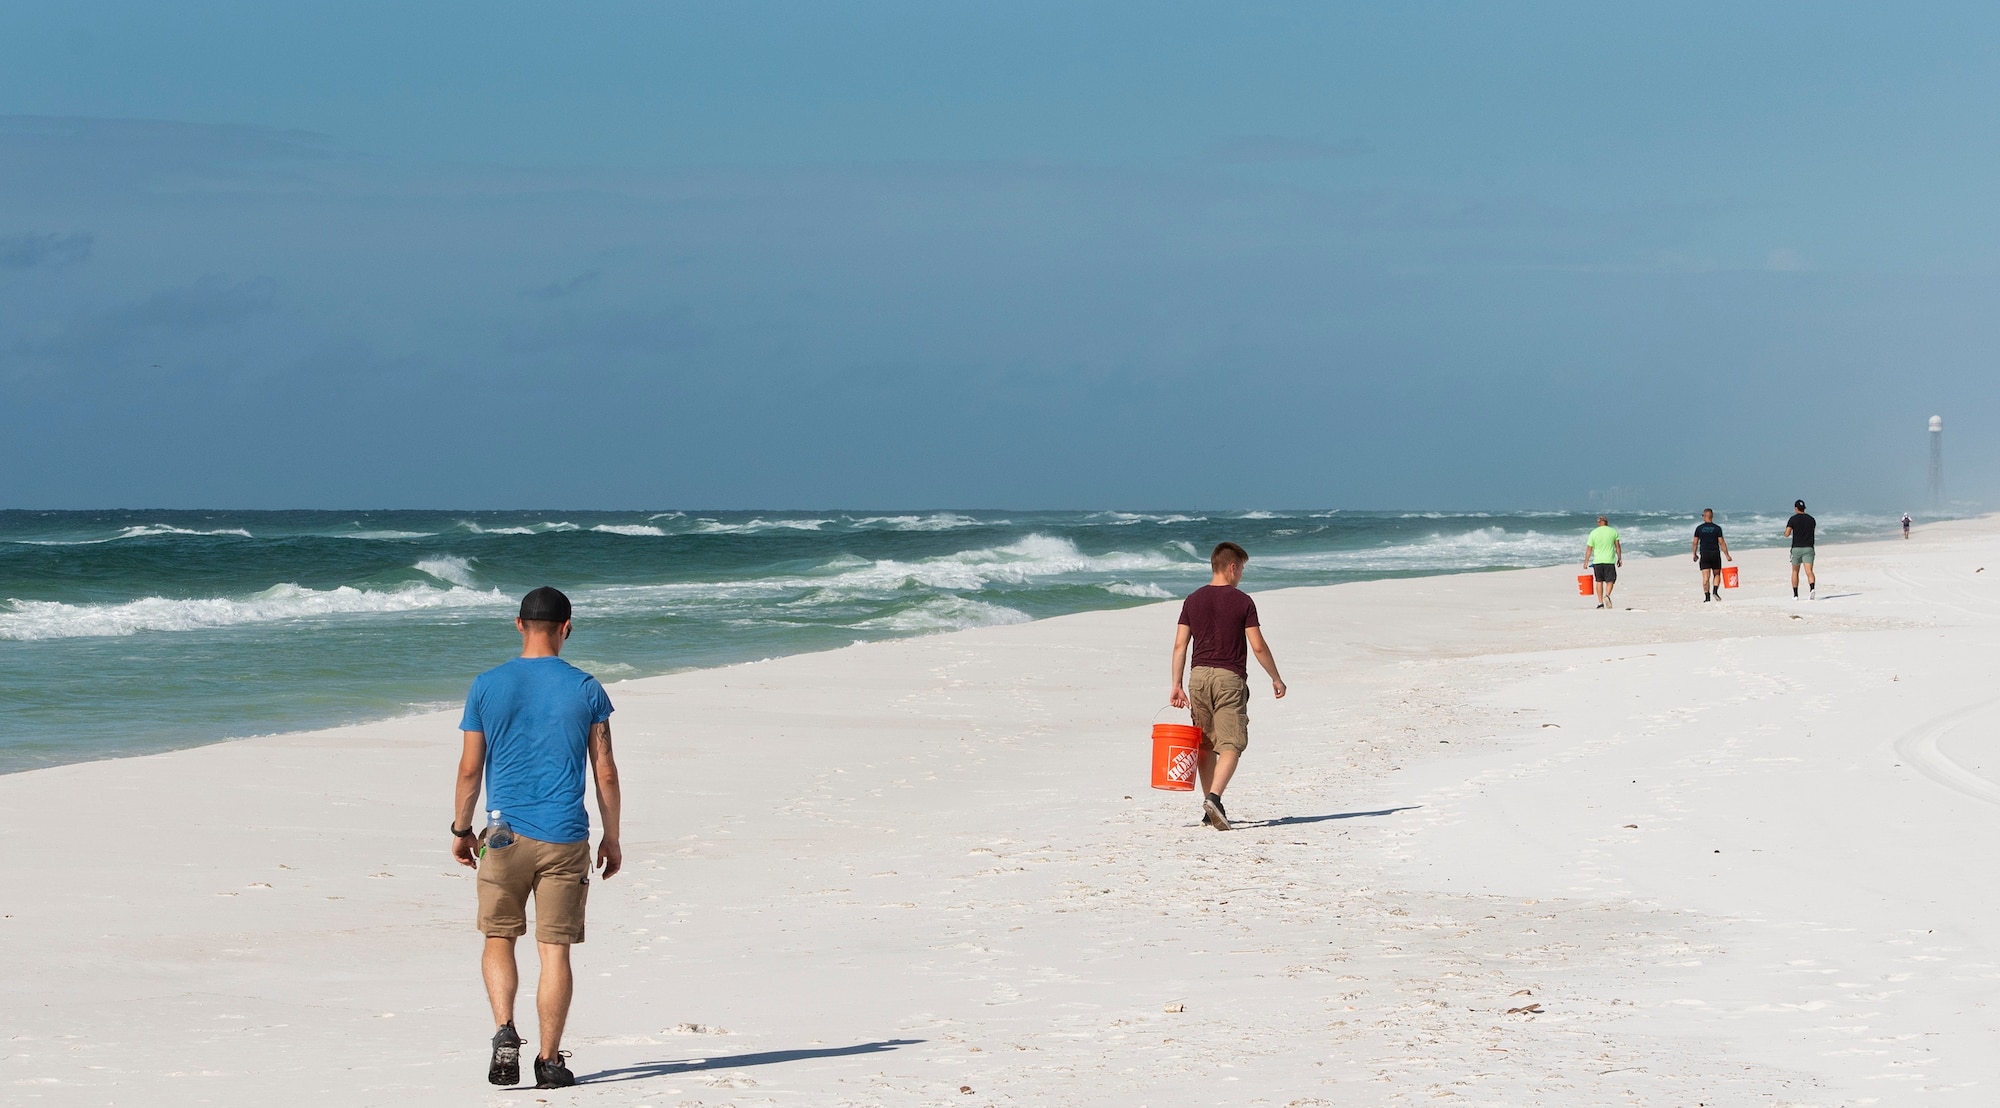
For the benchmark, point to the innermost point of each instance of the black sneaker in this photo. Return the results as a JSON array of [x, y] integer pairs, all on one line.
[[506, 1066], [1217, 818], [550, 1073]]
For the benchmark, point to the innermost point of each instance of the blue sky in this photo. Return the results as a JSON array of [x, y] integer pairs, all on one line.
[[761, 255]]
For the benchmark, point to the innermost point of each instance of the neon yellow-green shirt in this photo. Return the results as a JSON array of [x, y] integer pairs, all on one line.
[[1603, 545]]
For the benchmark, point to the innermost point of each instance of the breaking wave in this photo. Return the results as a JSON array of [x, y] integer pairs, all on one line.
[[30, 620], [944, 613]]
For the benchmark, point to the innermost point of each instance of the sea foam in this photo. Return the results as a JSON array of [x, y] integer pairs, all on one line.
[[31, 620]]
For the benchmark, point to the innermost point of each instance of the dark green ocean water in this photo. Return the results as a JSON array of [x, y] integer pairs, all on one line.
[[137, 631]]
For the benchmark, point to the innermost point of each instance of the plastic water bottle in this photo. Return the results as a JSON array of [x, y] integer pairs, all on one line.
[[499, 833]]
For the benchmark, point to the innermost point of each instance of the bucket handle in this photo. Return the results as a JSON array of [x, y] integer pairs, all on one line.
[[1171, 708]]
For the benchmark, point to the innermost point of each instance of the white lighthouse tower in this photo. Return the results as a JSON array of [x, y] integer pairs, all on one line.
[[1937, 463]]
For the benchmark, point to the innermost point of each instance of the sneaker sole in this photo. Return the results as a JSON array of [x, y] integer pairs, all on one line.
[[506, 1067], [1215, 817]]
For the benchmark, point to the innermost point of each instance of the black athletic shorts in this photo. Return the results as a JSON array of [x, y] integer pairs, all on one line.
[[1605, 571], [1711, 561]]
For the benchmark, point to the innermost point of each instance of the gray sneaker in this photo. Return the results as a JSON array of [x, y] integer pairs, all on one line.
[[505, 1069]]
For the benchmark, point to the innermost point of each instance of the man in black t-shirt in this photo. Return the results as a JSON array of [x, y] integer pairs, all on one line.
[[1801, 527], [1709, 549]]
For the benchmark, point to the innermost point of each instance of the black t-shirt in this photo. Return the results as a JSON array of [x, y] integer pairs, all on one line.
[[1802, 529], [1710, 537]]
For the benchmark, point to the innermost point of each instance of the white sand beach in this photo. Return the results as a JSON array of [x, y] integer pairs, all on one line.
[[1722, 854]]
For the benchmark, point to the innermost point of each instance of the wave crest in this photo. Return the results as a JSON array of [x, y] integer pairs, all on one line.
[[32, 620]]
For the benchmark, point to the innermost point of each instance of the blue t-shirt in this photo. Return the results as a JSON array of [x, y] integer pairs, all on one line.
[[536, 714]]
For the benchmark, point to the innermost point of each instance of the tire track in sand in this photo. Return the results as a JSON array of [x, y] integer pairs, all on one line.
[[1920, 749]]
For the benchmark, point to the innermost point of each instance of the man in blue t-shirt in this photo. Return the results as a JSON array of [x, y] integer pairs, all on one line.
[[529, 726]]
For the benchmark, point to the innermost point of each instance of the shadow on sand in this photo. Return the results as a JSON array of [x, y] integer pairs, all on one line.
[[1291, 821], [737, 1061]]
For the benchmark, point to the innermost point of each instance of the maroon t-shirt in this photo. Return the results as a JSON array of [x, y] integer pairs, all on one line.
[[1217, 616]]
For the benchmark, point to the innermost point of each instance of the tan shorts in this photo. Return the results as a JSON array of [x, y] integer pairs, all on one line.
[[558, 876], [1220, 703]]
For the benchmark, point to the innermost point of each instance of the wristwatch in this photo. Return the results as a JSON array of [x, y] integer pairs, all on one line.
[[465, 834]]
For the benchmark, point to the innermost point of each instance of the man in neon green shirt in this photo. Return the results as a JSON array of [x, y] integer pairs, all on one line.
[[1602, 555]]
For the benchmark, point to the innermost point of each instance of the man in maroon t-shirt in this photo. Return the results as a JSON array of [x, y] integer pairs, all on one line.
[[1221, 621]]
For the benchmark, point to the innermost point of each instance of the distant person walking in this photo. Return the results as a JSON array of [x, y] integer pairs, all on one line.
[[1801, 527], [1906, 525], [1220, 620], [529, 725], [1603, 554], [1710, 548]]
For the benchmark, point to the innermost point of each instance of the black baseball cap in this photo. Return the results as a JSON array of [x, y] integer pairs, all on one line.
[[1799, 504], [545, 604]]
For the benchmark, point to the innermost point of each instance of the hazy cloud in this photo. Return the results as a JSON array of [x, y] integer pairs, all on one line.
[[1273, 148], [208, 302], [59, 155], [556, 290], [51, 250], [1785, 260], [170, 316]]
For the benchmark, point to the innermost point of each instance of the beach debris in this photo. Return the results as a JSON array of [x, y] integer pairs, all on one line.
[[1631, 827], [1175, 1008], [965, 1088], [1522, 992], [1557, 726], [1525, 1010]]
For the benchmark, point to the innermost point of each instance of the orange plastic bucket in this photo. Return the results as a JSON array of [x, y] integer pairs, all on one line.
[[1176, 755], [1728, 577], [1586, 584]]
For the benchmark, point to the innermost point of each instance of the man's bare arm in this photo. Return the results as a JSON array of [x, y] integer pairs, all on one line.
[[1178, 697], [1262, 650], [604, 768], [471, 772]]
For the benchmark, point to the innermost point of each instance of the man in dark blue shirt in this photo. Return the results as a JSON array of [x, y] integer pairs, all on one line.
[[529, 726], [1709, 549]]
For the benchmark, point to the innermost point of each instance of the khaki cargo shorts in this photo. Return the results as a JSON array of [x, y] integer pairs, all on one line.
[[556, 874], [1219, 701]]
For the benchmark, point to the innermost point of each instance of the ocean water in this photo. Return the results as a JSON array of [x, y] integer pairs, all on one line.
[[126, 632]]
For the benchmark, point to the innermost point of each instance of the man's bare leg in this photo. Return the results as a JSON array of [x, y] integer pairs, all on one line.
[[1216, 768], [503, 979], [552, 996], [1225, 768]]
